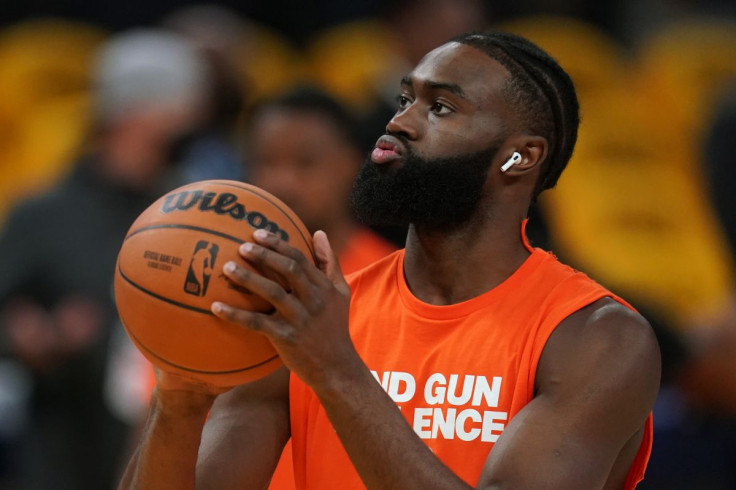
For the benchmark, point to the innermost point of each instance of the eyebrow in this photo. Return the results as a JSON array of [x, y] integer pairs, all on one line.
[[450, 87]]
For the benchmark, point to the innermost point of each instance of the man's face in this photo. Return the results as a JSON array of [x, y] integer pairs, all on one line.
[[432, 165], [303, 159]]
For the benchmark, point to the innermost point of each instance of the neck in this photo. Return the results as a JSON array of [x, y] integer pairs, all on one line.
[[444, 267]]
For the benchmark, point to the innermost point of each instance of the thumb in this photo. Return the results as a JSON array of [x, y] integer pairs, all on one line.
[[327, 261]]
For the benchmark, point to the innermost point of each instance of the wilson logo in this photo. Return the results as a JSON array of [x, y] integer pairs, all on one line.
[[223, 203]]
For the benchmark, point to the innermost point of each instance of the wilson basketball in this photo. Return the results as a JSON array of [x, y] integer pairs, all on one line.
[[169, 271]]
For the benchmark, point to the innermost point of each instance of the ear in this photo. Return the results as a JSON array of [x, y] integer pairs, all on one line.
[[533, 151]]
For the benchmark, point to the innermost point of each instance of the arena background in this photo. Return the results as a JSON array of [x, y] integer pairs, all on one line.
[[647, 206]]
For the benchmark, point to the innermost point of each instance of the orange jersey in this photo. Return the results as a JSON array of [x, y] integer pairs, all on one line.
[[364, 247], [459, 373]]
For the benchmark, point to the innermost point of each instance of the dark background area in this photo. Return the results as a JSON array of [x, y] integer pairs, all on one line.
[[299, 19]]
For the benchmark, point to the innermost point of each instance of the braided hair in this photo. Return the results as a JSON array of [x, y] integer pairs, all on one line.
[[540, 92]]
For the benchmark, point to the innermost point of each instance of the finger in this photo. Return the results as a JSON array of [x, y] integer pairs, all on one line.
[[274, 242], [265, 271], [328, 262], [269, 325], [263, 287], [278, 256]]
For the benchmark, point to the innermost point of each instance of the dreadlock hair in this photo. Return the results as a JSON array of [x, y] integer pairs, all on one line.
[[540, 92]]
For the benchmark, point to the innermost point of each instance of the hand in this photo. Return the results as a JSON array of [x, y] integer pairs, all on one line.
[[171, 382], [309, 325], [180, 393]]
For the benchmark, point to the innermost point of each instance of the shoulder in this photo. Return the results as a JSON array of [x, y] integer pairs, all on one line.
[[604, 345], [609, 324], [587, 424], [559, 284], [569, 296]]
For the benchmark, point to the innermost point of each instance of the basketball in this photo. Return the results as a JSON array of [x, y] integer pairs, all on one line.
[[169, 271]]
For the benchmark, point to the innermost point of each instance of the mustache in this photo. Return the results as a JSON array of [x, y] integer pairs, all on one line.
[[404, 141]]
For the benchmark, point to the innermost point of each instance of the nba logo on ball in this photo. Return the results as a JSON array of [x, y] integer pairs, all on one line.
[[200, 268]]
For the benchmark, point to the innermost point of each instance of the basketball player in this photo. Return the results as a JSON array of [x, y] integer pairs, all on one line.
[[467, 360]]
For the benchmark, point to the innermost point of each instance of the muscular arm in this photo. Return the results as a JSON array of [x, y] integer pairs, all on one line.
[[596, 383], [245, 434], [381, 444], [239, 444]]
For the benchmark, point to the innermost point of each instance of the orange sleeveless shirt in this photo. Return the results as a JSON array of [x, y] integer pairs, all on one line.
[[459, 373]]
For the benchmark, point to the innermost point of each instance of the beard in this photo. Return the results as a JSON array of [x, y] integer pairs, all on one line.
[[437, 193]]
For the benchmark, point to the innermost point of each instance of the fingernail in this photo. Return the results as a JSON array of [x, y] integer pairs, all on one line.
[[260, 234], [246, 247], [217, 307], [230, 267]]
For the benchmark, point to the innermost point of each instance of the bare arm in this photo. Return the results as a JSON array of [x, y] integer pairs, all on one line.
[[166, 456], [596, 383], [382, 446], [245, 434], [605, 380], [241, 442]]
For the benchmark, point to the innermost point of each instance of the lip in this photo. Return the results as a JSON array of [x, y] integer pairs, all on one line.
[[388, 148]]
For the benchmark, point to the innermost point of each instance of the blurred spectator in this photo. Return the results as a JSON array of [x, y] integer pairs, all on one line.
[[57, 254], [303, 147], [217, 33]]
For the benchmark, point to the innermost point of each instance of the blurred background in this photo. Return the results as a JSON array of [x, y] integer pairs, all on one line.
[[104, 106]]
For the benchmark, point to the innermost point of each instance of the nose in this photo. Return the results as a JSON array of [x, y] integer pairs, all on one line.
[[404, 123]]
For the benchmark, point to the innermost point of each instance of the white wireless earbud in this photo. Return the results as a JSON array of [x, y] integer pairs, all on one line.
[[513, 160]]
